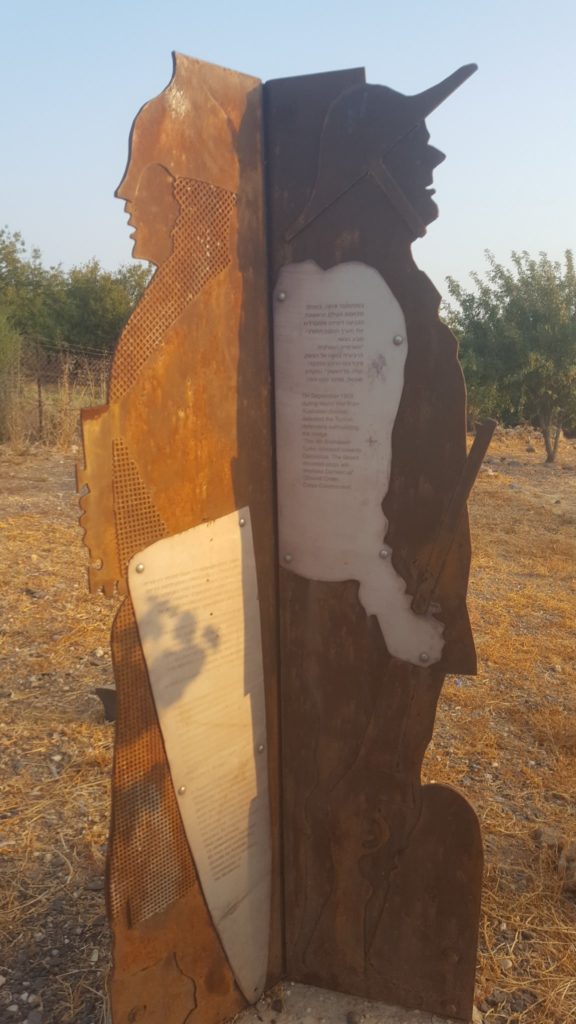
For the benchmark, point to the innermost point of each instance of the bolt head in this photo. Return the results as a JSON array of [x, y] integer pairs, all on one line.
[[398, 339], [140, 567], [181, 790], [287, 559], [281, 296], [261, 748], [384, 553], [424, 658], [242, 521]]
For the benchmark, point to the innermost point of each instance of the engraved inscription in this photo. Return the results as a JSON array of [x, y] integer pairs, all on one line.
[[196, 604], [334, 356], [339, 374]]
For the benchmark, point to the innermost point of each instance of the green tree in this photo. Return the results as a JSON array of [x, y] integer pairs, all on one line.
[[28, 291], [517, 332], [10, 350], [97, 304], [82, 310]]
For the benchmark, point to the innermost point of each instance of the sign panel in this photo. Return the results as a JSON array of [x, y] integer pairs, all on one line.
[[340, 347], [196, 603]]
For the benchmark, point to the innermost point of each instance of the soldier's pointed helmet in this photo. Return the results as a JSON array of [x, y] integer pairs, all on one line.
[[362, 125]]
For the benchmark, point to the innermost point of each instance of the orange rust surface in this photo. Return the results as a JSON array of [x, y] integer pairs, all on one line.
[[185, 438]]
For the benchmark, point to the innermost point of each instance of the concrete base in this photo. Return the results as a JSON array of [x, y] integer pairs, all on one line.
[[290, 1003]]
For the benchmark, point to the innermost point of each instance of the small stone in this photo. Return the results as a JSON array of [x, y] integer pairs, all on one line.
[[34, 1000], [2, 980], [94, 956], [99, 652], [95, 884], [56, 757], [505, 963], [35, 1017], [477, 1017], [55, 952], [13, 1008], [39, 936]]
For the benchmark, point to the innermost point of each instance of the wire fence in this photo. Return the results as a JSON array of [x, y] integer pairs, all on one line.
[[42, 391]]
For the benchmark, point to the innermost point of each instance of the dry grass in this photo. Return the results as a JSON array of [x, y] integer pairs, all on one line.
[[507, 739], [56, 750], [41, 405]]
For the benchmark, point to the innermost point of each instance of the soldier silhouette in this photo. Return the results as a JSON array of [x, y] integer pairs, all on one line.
[[383, 874]]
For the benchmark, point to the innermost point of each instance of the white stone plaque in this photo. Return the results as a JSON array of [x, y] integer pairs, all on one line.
[[340, 347], [196, 602]]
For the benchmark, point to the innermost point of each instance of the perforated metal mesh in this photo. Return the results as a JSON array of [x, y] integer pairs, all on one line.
[[200, 251], [150, 862], [137, 521]]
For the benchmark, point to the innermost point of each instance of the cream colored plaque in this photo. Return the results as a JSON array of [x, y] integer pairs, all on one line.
[[340, 347], [196, 603]]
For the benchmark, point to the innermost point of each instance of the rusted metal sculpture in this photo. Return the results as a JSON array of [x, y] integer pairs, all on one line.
[[185, 438], [376, 888], [382, 875]]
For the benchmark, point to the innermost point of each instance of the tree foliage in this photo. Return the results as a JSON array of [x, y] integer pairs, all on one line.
[[81, 310], [517, 331]]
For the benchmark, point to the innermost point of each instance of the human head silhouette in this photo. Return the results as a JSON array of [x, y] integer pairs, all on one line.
[[165, 146], [371, 130]]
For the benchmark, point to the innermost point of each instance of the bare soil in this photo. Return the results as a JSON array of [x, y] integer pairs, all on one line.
[[506, 738]]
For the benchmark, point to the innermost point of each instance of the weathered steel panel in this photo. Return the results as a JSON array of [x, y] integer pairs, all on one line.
[[185, 438], [382, 874]]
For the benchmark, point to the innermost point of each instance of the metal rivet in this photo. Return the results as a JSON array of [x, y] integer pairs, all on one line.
[[398, 339], [260, 748], [287, 559], [384, 553], [140, 567], [181, 790], [424, 658], [242, 521], [281, 296]]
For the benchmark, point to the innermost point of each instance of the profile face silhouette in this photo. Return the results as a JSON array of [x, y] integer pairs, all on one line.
[[152, 209], [412, 162]]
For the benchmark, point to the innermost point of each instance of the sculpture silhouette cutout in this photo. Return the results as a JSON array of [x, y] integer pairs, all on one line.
[[158, 460], [382, 874]]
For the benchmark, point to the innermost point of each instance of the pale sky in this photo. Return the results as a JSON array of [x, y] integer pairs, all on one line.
[[73, 75]]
